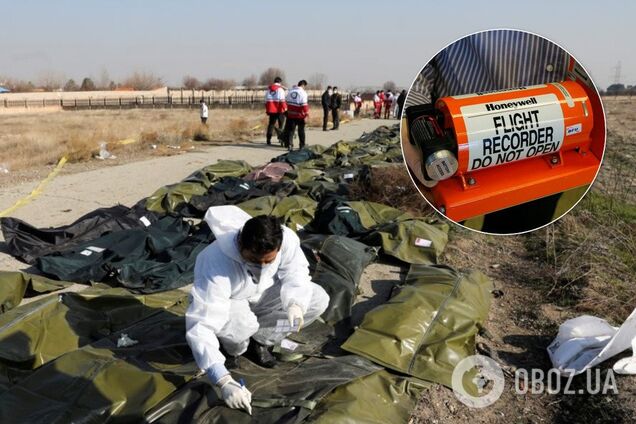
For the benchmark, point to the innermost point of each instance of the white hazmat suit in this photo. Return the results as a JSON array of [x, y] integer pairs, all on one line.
[[229, 306]]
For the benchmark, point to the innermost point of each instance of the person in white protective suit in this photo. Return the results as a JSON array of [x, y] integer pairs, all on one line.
[[252, 276]]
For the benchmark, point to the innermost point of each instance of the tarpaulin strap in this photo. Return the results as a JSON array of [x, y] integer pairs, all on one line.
[[38, 190], [277, 403]]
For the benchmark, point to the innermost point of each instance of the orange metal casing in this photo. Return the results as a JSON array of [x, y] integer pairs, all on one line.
[[514, 183]]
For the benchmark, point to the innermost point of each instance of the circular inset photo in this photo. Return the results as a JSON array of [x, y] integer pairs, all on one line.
[[503, 131]]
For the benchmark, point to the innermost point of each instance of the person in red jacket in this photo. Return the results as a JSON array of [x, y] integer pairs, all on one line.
[[297, 113], [382, 98], [377, 105], [357, 101], [275, 107], [388, 100]]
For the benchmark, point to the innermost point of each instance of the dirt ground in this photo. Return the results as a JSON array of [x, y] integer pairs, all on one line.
[[523, 318]]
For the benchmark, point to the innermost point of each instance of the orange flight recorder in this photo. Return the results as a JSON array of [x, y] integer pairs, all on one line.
[[484, 152]]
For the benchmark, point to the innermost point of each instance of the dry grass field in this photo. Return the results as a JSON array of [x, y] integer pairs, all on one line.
[[32, 140]]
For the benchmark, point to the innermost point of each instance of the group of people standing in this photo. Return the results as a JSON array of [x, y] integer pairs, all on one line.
[[331, 102], [392, 103], [290, 111]]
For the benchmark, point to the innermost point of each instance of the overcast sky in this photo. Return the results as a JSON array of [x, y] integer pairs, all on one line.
[[355, 43]]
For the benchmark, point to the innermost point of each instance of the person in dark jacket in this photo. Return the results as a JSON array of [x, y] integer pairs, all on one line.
[[400, 101], [326, 105], [336, 102]]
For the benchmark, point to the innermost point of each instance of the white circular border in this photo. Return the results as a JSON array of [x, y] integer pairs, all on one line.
[[492, 370], [595, 175]]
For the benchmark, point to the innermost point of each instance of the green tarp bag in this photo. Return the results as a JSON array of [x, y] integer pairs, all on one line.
[[101, 259], [378, 398], [222, 168], [34, 334], [294, 211], [414, 241], [285, 394], [168, 198], [304, 175], [426, 329], [107, 381], [14, 286], [407, 238], [320, 189], [398, 234], [336, 264]]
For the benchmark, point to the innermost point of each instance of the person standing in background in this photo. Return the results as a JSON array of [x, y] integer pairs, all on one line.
[[357, 101], [400, 102], [203, 112], [382, 97], [275, 107], [388, 101], [336, 102], [394, 106], [325, 100], [377, 105], [297, 113]]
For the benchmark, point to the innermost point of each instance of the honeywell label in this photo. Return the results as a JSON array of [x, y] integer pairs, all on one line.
[[511, 130], [483, 93], [573, 129]]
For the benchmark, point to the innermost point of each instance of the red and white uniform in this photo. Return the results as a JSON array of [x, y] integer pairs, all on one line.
[[388, 99], [377, 105], [275, 99], [357, 100], [297, 106]]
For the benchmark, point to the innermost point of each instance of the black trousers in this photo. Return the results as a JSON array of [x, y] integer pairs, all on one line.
[[325, 117], [335, 115], [273, 119], [290, 129]]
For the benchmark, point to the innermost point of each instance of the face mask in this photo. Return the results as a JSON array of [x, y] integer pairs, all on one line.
[[255, 271]]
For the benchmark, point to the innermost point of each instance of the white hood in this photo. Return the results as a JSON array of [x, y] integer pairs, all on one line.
[[226, 222]]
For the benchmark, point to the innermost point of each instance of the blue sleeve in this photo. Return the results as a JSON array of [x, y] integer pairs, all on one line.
[[216, 371]]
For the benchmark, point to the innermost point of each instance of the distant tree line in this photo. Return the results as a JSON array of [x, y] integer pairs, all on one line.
[[51, 81], [250, 82], [56, 82], [620, 90]]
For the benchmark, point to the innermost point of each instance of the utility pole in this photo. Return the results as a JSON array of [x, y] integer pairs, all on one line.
[[617, 73]]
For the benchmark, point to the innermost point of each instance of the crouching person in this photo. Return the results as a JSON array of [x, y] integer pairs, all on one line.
[[253, 275]]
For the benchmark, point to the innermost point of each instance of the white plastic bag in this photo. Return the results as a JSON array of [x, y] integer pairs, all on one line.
[[104, 153], [586, 341], [627, 365]]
